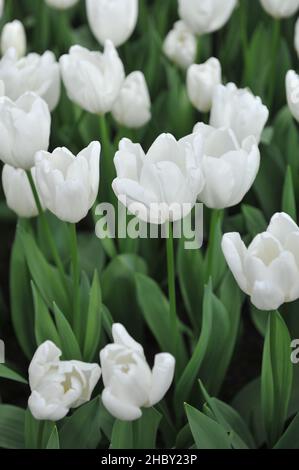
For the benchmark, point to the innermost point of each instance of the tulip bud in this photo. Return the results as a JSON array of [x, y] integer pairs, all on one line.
[[268, 270], [14, 35], [57, 386], [201, 82], [18, 192], [129, 382], [223, 157], [113, 19], [162, 185], [61, 4], [280, 9], [239, 110], [69, 185], [24, 129], [292, 92], [132, 107], [93, 80], [180, 45], [37, 73], [206, 16]]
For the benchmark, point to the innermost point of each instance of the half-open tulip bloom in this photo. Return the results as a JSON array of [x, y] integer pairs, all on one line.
[[206, 16], [239, 110], [292, 92], [129, 382], [201, 82], [14, 35], [68, 184], [18, 192], [229, 169], [280, 8], [162, 185], [112, 19], [57, 386], [180, 45], [268, 270], [132, 107], [24, 129], [93, 79], [61, 4], [34, 72]]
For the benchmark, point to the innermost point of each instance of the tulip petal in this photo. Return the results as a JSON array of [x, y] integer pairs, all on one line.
[[235, 251], [266, 296], [281, 226], [119, 409], [162, 377]]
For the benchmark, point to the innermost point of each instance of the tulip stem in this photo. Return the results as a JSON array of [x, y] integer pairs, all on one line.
[[76, 279], [275, 51], [46, 229], [171, 284], [107, 172]]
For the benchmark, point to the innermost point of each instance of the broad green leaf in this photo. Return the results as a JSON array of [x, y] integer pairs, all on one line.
[[82, 429], [6, 373], [53, 442], [277, 375], [93, 321], [206, 432], [290, 438], [288, 196], [11, 427], [254, 219], [69, 344], [44, 325], [122, 435], [37, 433], [145, 429]]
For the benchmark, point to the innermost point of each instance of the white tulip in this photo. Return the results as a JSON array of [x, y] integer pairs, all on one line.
[[112, 19], [292, 92], [229, 169], [24, 129], [129, 382], [180, 45], [239, 110], [162, 185], [132, 108], [206, 16], [1, 7], [280, 8], [61, 4], [268, 270], [14, 35], [93, 80], [201, 82], [2, 88], [17, 191], [68, 184], [34, 72], [57, 386]]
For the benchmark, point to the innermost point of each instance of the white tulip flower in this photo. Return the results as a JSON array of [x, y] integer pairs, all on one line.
[[61, 4], [24, 129], [180, 45], [280, 8], [18, 192], [129, 382], [292, 92], [132, 107], [68, 184], [14, 35], [296, 37], [268, 270], [93, 79], [239, 110], [206, 16], [112, 19], [34, 72], [201, 82], [229, 169], [57, 386], [2, 88], [162, 185]]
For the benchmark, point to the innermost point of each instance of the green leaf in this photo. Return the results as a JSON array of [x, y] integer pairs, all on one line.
[[290, 438], [145, 429], [93, 321], [44, 325], [53, 442], [82, 429], [206, 432], [122, 435], [69, 344], [277, 375], [6, 373], [288, 196], [11, 427], [37, 433], [254, 219], [214, 261]]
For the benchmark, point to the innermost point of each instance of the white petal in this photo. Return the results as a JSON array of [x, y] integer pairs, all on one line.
[[162, 377]]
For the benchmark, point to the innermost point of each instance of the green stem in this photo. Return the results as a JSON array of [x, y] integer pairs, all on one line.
[[216, 214], [171, 285], [107, 166], [275, 51], [46, 229], [76, 279]]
